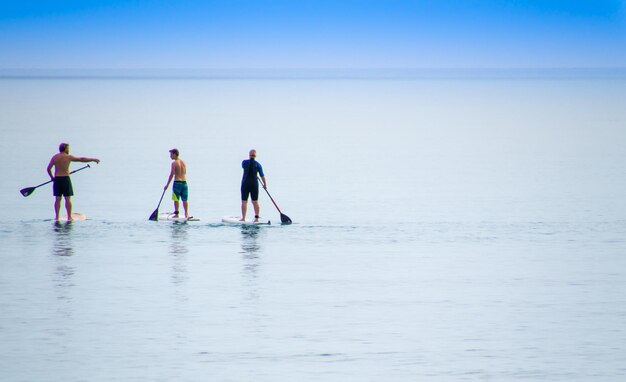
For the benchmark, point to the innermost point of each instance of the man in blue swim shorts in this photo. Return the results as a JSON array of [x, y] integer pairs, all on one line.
[[180, 192]]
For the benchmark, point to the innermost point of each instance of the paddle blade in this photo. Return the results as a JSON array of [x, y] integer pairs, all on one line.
[[155, 215], [27, 191], [284, 219]]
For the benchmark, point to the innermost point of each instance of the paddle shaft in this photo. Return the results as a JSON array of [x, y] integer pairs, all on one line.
[[160, 200], [272, 199], [50, 181], [82, 168], [155, 214]]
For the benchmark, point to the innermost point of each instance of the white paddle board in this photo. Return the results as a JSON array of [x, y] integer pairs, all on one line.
[[76, 216], [237, 221], [168, 216]]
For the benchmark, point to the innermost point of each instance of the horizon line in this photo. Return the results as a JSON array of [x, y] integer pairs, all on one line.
[[310, 73]]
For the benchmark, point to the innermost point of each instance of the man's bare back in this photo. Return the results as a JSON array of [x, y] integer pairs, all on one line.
[[61, 163], [179, 169]]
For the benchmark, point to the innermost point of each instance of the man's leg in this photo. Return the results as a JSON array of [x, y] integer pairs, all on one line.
[[176, 205], [57, 207], [257, 209], [184, 195], [244, 209], [68, 207]]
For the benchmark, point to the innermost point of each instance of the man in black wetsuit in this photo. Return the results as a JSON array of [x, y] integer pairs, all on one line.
[[250, 185]]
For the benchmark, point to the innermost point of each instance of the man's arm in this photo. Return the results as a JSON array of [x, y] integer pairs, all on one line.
[[84, 159], [260, 168], [170, 177], [49, 169]]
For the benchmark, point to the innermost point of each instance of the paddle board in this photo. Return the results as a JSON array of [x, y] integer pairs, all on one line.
[[236, 220], [77, 216], [168, 216]]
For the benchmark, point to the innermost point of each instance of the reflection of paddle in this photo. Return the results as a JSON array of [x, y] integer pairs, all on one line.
[[283, 218], [155, 214], [29, 190]]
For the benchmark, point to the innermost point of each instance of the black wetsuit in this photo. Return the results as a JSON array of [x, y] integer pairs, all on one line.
[[249, 182]]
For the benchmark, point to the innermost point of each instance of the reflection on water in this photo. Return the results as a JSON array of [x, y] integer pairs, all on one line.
[[62, 239], [61, 250], [249, 242], [179, 250], [251, 260], [63, 273]]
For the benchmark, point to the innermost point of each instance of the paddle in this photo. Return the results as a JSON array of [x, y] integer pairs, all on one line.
[[29, 190], [155, 214], [283, 218]]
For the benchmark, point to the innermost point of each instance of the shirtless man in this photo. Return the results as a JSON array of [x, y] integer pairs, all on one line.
[[62, 184], [179, 190]]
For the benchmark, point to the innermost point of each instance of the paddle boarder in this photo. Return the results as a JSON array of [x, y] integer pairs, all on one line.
[[61, 182], [179, 189], [250, 184]]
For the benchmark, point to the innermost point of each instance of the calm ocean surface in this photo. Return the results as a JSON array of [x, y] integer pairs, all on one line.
[[446, 228]]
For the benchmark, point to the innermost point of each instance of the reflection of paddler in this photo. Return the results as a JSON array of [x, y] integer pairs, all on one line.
[[179, 189], [250, 185], [62, 184]]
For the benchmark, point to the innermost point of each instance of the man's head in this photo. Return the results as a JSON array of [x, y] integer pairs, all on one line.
[[252, 154], [174, 153], [64, 148]]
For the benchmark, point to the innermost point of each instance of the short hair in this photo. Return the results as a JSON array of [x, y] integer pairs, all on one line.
[[63, 146]]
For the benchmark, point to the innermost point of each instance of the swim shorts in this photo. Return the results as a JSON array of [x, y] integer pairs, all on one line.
[[250, 189], [62, 186], [180, 191]]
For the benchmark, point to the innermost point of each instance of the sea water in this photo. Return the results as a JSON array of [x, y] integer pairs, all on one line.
[[446, 228]]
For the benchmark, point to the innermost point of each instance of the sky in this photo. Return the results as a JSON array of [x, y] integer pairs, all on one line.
[[209, 34]]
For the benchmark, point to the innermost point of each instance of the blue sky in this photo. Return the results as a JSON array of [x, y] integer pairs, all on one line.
[[312, 34]]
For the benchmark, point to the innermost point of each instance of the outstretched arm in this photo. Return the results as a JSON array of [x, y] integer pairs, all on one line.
[[264, 182], [85, 159]]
